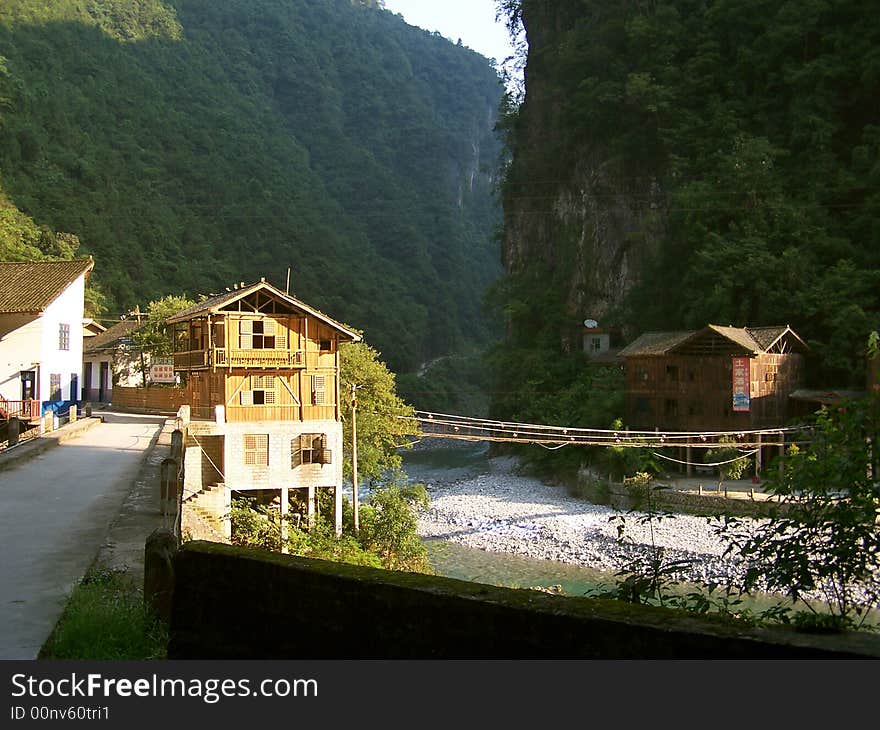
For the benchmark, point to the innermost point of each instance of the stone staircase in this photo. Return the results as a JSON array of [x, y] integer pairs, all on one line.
[[206, 514]]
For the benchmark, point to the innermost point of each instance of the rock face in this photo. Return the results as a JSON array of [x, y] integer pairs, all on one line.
[[575, 211]]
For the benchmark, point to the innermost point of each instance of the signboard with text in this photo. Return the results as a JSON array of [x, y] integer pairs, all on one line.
[[741, 389], [162, 370]]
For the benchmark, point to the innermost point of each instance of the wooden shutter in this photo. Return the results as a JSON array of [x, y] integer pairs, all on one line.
[[246, 334], [326, 453], [256, 449], [268, 326], [295, 452], [318, 389], [247, 397]]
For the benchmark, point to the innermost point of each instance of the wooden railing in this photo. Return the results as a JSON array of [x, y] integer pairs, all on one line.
[[221, 357], [26, 410]]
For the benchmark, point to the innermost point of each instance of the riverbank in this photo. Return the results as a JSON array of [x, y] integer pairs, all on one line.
[[500, 511]]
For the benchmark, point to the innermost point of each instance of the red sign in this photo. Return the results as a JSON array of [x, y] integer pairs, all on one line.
[[741, 384]]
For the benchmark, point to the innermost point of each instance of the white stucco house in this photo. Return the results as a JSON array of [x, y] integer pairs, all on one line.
[[41, 334]]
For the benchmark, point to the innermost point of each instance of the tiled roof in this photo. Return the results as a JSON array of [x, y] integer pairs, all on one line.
[[752, 339], [654, 343], [766, 336], [217, 302], [737, 335], [108, 340], [31, 286]]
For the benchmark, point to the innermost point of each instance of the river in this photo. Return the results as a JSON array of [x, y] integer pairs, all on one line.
[[454, 461]]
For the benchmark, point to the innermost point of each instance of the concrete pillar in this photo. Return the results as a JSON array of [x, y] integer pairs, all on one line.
[[159, 551], [285, 508], [310, 510], [73, 413], [13, 429], [758, 458], [169, 486]]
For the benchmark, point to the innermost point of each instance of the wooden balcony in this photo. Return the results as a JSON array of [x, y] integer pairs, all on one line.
[[220, 357]]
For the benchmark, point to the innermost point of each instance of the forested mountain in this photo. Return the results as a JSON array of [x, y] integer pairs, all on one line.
[[189, 144], [683, 162]]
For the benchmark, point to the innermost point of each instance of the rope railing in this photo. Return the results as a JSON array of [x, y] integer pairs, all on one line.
[[444, 425]]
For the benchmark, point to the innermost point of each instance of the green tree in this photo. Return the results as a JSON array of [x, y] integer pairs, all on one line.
[[731, 462], [155, 338], [389, 526], [384, 422], [824, 545]]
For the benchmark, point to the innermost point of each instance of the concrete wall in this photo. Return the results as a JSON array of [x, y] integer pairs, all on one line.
[[234, 603], [20, 338], [279, 472], [66, 309]]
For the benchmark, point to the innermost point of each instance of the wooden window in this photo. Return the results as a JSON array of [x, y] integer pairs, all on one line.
[[256, 449], [671, 407], [325, 345], [309, 448], [262, 391], [595, 344], [55, 386], [319, 390], [256, 334], [63, 336], [642, 406], [672, 373]]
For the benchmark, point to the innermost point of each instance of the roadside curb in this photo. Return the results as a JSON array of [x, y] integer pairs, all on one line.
[[139, 514], [34, 447]]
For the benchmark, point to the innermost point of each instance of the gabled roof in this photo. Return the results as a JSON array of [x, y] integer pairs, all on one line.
[[654, 343], [109, 339], [215, 304], [752, 340], [93, 327], [28, 287]]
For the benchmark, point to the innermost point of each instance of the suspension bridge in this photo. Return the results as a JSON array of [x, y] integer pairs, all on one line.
[[465, 428]]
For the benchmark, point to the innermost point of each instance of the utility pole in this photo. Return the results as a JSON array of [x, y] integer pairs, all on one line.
[[354, 459]]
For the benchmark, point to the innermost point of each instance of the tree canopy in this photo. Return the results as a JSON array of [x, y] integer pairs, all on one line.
[[189, 144]]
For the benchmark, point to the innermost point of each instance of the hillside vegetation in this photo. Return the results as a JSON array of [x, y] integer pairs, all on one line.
[[190, 144], [683, 162]]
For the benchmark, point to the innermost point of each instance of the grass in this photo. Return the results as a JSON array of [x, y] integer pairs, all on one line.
[[105, 618]]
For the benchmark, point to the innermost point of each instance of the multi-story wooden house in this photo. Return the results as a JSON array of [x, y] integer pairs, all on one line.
[[713, 379], [261, 370]]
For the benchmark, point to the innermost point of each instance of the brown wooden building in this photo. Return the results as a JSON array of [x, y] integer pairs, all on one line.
[[714, 379], [262, 379]]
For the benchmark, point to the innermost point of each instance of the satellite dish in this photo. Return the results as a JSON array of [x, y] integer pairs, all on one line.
[[591, 323]]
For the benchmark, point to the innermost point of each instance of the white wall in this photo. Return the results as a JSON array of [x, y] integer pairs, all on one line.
[[20, 338], [67, 309]]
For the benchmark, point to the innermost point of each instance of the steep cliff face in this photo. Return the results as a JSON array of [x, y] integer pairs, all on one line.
[[579, 216], [679, 162]]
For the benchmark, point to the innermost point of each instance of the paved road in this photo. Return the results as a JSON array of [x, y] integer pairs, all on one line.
[[55, 510]]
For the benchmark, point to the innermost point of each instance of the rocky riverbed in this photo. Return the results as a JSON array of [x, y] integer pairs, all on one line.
[[500, 511]]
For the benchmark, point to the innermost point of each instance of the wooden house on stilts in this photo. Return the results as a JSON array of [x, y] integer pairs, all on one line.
[[261, 370]]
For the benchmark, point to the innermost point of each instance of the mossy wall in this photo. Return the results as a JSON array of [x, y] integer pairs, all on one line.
[[237, 603]]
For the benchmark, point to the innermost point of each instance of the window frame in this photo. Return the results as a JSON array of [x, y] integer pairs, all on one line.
[[256, 452], [64, 336], [312, 444]]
